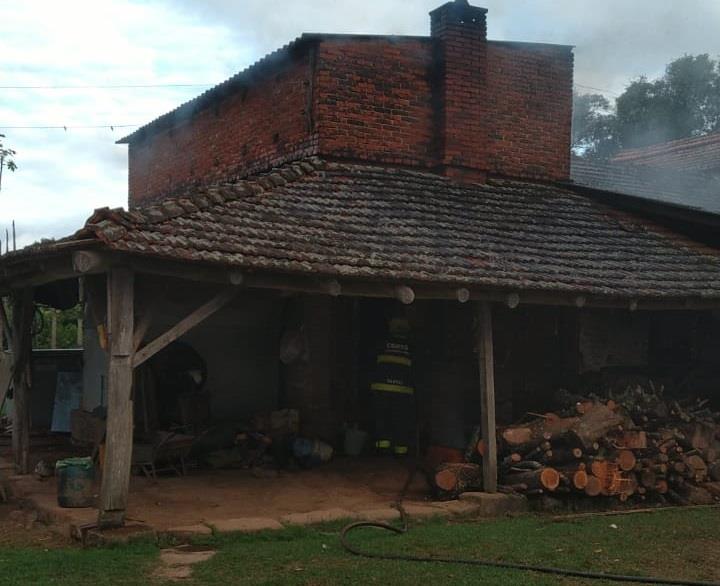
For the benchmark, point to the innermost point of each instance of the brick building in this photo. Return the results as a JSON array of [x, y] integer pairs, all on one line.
[[454, 103], [338, 181]]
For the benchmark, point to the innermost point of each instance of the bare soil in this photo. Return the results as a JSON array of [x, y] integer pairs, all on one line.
[[19, 528]]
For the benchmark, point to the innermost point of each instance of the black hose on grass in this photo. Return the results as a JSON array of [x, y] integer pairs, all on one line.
[[486, 563], [492, 564]]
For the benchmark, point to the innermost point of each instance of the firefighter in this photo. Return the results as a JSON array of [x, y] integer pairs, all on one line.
[[393, 392]]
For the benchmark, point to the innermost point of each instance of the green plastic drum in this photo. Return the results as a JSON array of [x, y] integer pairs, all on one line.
[[75, 482]]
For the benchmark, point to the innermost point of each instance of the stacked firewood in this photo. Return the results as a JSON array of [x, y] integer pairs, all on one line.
[[636, 444]]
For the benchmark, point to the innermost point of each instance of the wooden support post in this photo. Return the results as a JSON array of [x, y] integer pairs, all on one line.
[[487, 394], [22, 316], [119, 435]]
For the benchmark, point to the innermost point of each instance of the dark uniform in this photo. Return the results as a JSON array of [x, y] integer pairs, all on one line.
[[393, 393]]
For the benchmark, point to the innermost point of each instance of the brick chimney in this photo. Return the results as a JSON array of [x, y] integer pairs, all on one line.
[[459, 33]]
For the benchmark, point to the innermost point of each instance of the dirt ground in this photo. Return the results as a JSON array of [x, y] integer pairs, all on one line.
[[19, 528], [207, 495]]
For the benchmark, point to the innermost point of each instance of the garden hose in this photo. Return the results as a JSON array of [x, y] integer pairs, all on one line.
[[488, 563]]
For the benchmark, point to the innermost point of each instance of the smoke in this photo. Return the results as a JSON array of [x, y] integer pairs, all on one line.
[[615, 40]]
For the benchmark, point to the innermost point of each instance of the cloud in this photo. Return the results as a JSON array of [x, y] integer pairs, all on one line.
[[64, 175]]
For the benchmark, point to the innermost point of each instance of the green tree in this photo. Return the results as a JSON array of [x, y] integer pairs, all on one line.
[[7, 158], [593, 125], [684, 102], [67, 326]]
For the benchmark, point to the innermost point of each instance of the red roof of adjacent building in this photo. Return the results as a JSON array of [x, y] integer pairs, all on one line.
[[701, 153]]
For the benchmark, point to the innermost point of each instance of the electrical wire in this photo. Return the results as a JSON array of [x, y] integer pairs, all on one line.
[[110, 86], [597, 89], [70, 127]]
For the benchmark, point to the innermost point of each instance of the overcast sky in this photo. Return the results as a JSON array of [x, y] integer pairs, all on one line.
[[63, 175]]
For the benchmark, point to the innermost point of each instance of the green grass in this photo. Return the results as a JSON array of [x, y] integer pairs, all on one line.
[[678, 544], [119, 565]]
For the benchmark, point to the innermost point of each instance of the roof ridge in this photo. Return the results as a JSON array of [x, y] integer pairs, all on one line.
[[199, 101], [205, 196]]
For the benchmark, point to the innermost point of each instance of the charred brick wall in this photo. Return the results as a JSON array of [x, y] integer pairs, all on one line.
[[265, 123], [374, 100], [452, 102], [530, 110]]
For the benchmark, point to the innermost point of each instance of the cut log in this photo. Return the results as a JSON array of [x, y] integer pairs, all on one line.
[[453, 479], [696, 468], [696, 495], [593, 486], [596, 424], [633, 440], [545, 478], [626, 460], [714, 471], [713, 488], [528, 436], [562, 455], [648, 478]]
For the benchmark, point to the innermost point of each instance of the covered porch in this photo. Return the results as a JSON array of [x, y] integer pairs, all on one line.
[[480, 355]]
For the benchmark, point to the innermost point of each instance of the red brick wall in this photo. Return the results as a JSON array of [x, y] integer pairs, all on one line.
[[374, 100], [452, 102], [251, 129], [459, 36], [530, 99]]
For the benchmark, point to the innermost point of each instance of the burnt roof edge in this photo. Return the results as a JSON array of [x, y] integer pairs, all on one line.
[[186, 110]]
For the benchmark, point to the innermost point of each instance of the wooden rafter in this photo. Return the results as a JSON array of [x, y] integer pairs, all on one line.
[[184, 325]]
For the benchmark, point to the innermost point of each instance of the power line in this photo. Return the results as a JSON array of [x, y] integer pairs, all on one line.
[[597, 89], [70, 127], [111, 86]]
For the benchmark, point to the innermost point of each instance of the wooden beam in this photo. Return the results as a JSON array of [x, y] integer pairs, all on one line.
[[404, 294], [487, 394], [96, 296], [5, 324], [142, 326], [22, 316], [55, 269], [89, 261], [463, 295], [119, 434], [183, 326]]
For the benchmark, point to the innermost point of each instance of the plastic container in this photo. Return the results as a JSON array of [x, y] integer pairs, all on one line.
[[311, 452], [354, 441], [75, 482]]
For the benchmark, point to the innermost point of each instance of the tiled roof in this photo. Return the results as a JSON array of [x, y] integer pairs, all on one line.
[[692, 190], [349, 220], [700, 153]]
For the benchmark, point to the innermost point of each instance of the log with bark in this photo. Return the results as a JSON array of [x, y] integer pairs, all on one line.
[[547, 479], [452, 479]]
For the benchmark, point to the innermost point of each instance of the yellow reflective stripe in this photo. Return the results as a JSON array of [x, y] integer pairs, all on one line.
[[391, 359], [400, 449], [388, 388], [382, 444]]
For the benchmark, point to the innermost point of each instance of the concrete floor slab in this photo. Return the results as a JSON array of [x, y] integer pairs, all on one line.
[[319, 516], [245, 525], [495, 504], [186, 531], [381, 515]]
